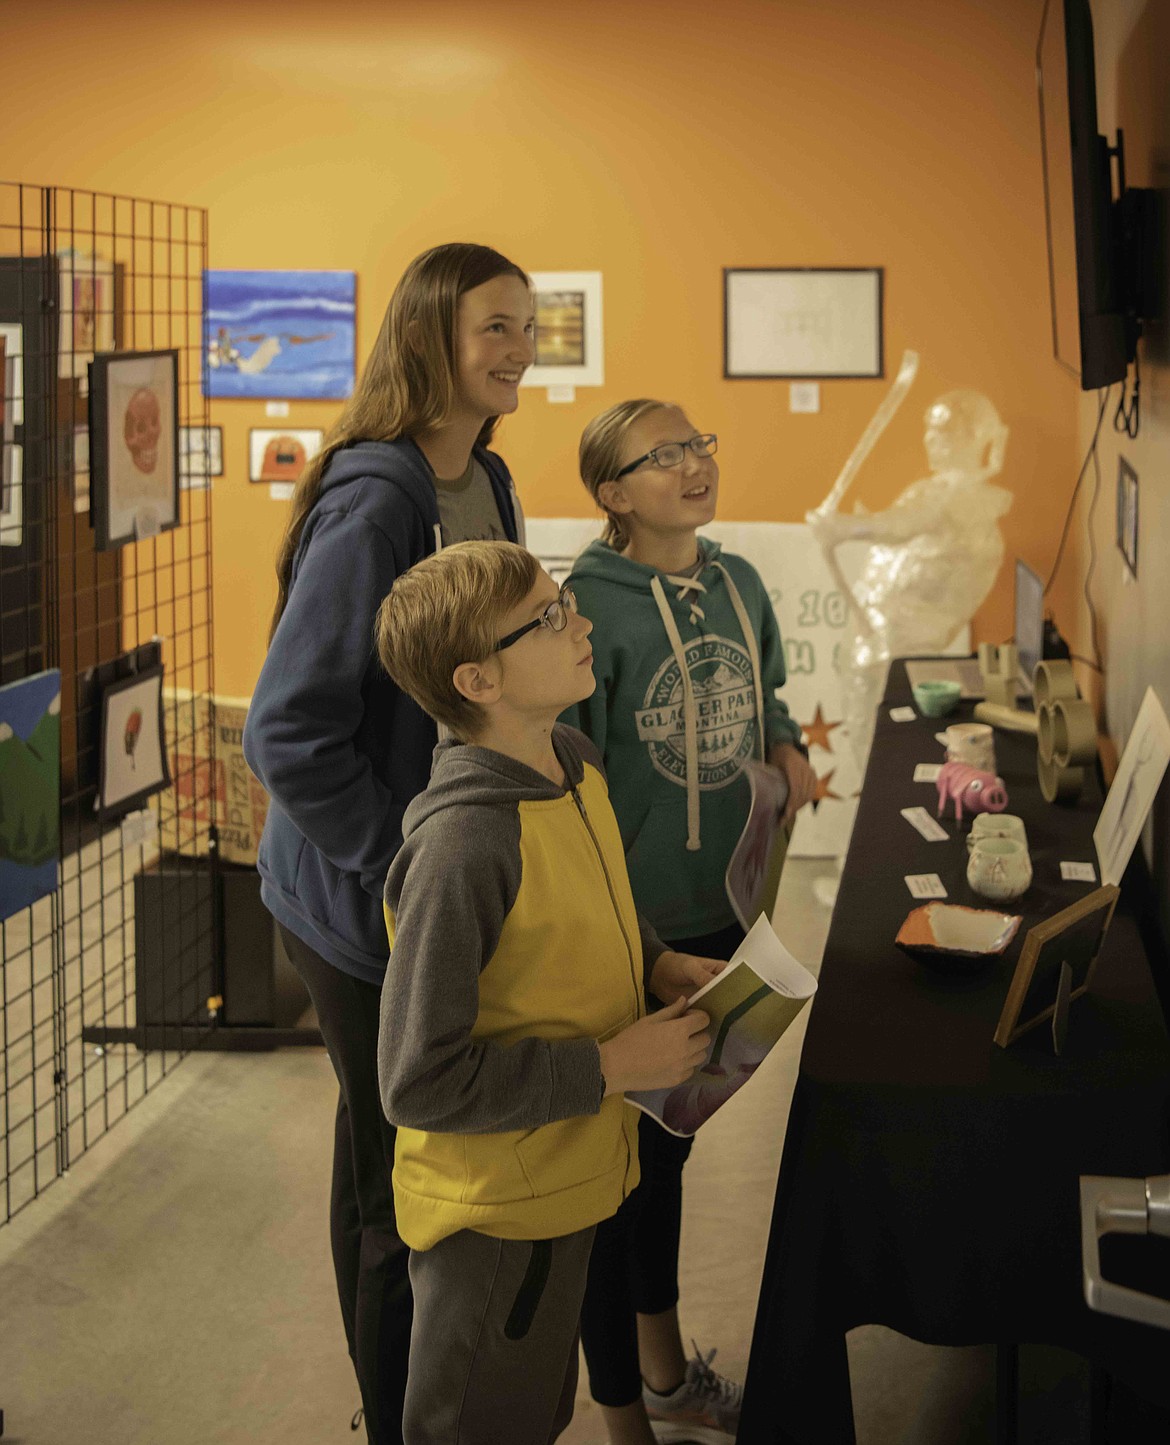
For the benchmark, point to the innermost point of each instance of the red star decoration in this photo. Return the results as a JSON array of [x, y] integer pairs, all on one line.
[[817, 732], [823, 790]]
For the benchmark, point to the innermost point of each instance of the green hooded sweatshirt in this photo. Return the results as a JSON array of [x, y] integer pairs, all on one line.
[[687, 670]]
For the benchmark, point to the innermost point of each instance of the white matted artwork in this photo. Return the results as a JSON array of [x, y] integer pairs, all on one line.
[[133, 752], [86, 305], [134, 472], [570, 338], [281, 456], [79, 468], [200, 456], [12, 375], [1132, 792], [11, 495], [811, 324], [812, 615]]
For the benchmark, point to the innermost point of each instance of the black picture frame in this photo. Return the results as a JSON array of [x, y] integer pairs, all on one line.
[[110, 468], [805, 373], [157, 780]]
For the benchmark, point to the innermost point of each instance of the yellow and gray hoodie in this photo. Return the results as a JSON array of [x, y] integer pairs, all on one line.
[[515, 948]]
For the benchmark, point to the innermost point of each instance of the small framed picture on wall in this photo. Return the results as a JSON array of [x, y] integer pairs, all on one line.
[[802, 323], [134, 446], [133, 752], [200, 455], [281, 456]]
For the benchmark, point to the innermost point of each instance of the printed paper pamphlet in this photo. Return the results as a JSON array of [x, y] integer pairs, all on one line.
[[753, 872], [750, 1004]]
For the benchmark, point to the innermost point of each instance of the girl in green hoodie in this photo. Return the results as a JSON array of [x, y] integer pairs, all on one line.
[[688, 657]]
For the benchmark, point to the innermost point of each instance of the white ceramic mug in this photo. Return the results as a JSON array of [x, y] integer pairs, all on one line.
[[972, 743], [999, 868], [996, 825]]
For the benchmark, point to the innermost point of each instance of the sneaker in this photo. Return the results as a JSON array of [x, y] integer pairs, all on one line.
[[704, 1410]]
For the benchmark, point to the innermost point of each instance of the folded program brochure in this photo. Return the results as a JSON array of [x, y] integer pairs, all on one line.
[[750, 1004]]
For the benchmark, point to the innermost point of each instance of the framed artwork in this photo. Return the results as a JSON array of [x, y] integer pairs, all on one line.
[[570, 342], [134, 446], [79, 468], [802, 323], [30, 789], [1131, 794], [11, 375], [281, 456], [200, 455], [288, 334], [87, 306], [1056, 966], [11, 495], [133, 746]]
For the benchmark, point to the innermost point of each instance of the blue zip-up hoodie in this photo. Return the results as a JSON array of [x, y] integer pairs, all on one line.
[[340, 748]]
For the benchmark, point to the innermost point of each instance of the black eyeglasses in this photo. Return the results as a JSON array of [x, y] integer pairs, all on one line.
[[555, 617], [670, 454]]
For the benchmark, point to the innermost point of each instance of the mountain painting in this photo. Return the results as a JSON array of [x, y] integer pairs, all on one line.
[[30, 790], [279, 334]]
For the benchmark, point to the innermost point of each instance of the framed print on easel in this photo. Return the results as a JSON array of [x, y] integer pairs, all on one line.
[[134, 446], [802, 323], [1056, 966]]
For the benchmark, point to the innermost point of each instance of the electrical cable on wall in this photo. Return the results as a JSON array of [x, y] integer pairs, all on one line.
[[1127, 420]]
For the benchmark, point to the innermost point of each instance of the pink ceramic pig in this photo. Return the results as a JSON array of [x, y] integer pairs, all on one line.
[[973, 790]]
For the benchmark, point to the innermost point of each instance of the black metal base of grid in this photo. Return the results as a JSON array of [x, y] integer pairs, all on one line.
[[223, 1038]]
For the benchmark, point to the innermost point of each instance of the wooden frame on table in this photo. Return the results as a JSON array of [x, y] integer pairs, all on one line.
[[1057, 965]]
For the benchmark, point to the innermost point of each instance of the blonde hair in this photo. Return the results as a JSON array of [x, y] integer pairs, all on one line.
[[600, 457], [446, 610], [408, 383]]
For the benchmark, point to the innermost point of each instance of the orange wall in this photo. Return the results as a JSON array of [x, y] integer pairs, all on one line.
[[656, 142]]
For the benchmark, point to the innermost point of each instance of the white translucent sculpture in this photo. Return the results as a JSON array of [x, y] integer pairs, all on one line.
[[935, 553]]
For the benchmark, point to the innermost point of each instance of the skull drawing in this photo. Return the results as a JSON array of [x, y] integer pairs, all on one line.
[[143, 428]]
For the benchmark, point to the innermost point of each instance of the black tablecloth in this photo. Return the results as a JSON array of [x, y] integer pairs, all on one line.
[[929, 1180]]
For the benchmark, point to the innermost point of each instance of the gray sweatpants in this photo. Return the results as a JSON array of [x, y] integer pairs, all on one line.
[[493, 1347]]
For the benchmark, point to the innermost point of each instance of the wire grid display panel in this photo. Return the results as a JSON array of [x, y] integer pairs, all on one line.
[[84, 273]]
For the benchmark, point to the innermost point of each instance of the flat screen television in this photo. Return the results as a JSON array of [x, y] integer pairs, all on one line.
[[1093, 259]]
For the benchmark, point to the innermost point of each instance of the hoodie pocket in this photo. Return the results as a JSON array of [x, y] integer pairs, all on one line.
[[572, 1152]]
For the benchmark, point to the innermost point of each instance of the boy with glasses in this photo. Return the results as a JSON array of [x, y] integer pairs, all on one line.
[[513, 1012]]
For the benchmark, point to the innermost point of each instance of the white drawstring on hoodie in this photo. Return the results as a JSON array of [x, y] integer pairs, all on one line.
[[690, 711]]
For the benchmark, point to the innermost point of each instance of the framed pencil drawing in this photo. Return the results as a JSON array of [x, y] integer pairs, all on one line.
[[134, 446], [802, 323], [133, 745]]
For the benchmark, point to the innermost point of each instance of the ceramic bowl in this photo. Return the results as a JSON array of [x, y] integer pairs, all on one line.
[[954, 939], [937, 697]]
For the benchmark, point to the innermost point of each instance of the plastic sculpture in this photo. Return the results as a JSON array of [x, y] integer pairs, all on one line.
[[935, 552]]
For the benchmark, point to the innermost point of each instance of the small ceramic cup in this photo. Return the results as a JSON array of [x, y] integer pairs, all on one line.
[[972, 743], [996, 825], [999, 869], [936, 696]]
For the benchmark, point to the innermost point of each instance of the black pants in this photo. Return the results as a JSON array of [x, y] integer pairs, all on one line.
[[369, 1259], [634, 1266]]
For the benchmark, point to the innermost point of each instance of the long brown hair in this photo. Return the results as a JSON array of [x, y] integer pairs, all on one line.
[[408, 384]]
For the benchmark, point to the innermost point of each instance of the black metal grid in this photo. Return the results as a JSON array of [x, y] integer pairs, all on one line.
[[74, 965]]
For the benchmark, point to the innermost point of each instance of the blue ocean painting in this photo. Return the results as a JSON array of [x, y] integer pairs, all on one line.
[[279, 334], [30, 790]]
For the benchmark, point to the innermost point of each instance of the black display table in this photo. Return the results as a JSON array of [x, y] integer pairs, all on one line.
[[929, 1179]]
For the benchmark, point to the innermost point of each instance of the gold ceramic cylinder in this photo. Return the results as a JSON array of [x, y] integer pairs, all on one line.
[[1052, 679], [1074, 732], [1044, 731], [1060, 784]]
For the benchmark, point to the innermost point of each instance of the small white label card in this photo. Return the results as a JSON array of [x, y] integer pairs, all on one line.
[[921, 821], [562, 392], [281, 491], [925, 885], [1078, 873], [902, 714], [139, 828], [927, 772], [276, 408]]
